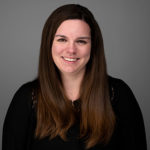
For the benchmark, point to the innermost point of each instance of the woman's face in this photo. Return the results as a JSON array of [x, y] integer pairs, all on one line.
[[72, 46]]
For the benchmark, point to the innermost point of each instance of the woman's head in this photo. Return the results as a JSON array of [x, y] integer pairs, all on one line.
[[71, 47], [61, 14]]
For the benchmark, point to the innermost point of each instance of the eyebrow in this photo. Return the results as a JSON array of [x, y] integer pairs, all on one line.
[[82, 37]]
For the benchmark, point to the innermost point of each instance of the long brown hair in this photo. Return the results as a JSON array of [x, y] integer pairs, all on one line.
[[54, 114]]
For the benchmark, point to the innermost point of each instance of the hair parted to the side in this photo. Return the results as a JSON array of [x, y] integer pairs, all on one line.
[[54, 114]]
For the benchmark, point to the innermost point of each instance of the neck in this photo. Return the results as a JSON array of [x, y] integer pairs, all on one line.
[[72, 84]]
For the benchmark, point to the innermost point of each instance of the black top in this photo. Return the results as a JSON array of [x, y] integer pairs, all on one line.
[[19, 124]]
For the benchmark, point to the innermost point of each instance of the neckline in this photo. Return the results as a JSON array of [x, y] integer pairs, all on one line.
[[75, 101], [76, 104]]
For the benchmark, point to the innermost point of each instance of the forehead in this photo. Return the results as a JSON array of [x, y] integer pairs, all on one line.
[[73, 26]]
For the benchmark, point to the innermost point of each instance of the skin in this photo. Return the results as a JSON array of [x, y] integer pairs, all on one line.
[[71, 50]]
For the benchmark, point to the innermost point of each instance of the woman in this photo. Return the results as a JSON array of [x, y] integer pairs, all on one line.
[[73, 104]]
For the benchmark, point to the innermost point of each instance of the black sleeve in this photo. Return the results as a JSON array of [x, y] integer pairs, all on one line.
[[16, 123], [131, 123]]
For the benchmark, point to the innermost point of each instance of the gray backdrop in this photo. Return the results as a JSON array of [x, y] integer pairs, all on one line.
[[126, 31]]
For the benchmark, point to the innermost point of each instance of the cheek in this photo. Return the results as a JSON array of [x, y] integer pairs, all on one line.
[[56, 50], [86, 52]]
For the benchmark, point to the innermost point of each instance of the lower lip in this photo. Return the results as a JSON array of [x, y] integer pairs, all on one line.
[[70, 62]]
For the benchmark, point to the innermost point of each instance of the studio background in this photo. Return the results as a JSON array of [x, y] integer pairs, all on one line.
[[125, 26]]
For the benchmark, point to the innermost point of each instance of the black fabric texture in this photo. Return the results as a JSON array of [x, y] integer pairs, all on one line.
[[20, 122]]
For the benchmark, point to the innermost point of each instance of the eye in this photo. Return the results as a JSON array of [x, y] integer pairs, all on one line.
[[61, 40], [81, 41]]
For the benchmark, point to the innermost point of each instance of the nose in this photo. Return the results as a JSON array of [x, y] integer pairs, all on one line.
[[71, 49]]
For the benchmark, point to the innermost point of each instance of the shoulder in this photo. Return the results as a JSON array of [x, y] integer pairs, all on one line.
[[19, 109], [22, 99], [124, 100], [117, 82], [28, 86], [120, 87]]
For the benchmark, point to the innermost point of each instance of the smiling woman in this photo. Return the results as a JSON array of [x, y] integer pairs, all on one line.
[[73, 104]]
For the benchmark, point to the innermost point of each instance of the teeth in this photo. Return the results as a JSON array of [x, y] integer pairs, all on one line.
[[70, 59]]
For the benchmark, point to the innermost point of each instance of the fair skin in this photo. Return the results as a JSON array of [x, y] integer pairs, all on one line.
[[71, 51]]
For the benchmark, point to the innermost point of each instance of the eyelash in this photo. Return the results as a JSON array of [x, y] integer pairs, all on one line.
[[61, 40], [79, 41]]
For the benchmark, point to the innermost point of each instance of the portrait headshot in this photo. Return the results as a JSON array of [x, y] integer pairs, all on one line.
[[75, 75]]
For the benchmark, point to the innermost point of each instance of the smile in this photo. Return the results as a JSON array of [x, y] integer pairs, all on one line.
[[70, 59]]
